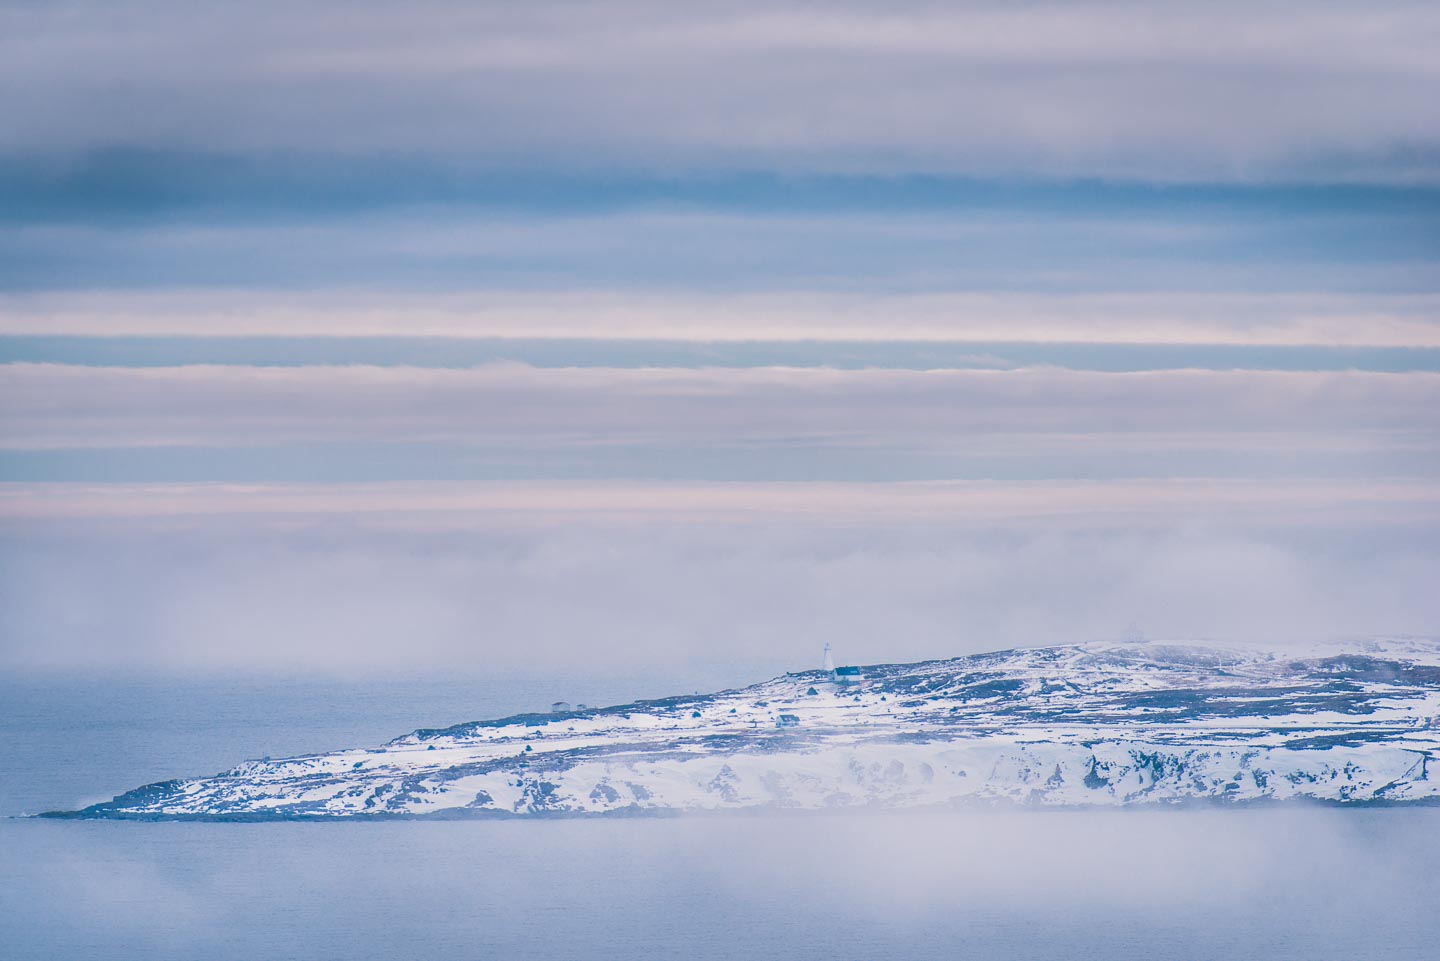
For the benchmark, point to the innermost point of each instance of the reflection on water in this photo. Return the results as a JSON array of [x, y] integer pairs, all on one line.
[[1299, 884]]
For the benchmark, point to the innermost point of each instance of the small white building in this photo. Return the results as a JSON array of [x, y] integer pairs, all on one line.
[[560, 707], [787, 720], [840, 675]]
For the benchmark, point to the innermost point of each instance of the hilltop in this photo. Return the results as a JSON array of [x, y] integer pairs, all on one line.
[[1088, 724]]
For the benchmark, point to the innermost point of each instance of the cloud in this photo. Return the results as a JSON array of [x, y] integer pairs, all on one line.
[[975, 411], [1218, 91], [993, 883], [527, 578], [707, 173], [1164, 317], [433, 506]]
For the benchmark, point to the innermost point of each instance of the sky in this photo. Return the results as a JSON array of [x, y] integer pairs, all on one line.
[[442, 338]]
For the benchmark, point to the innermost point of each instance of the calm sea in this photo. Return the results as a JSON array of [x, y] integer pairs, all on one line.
[[1307, 885]]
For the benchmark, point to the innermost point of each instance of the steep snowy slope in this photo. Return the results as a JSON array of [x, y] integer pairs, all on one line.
[[1092, 724]]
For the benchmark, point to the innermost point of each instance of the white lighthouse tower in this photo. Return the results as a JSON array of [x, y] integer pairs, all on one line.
[[829, 665]]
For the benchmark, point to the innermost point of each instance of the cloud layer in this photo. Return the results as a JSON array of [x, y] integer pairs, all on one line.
[[1139, 196], [1215, 91], [1174, 317], [62, 406], [633, 578]]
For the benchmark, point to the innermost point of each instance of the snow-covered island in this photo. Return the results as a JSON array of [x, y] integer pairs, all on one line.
[[1090, 724]]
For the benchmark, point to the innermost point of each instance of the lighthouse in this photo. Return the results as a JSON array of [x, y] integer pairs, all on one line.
[[829, 665]]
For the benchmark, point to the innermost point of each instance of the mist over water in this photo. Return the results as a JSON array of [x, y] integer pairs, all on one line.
[[1245, 884]]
